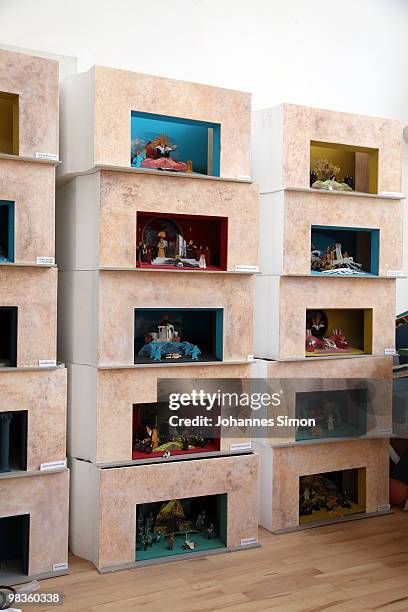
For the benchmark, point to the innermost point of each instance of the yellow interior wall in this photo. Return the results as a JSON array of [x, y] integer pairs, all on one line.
[[9, 134], [343, 156], [356, 325]]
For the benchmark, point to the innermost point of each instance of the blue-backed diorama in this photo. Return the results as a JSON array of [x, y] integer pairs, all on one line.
[[6, 231], [344, 251], [174, 144]]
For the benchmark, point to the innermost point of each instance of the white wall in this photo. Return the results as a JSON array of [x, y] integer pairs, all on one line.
[[350, 55]]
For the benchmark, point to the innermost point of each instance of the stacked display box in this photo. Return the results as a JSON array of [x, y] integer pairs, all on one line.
[[330, 248], [33, 475], [117, 283]]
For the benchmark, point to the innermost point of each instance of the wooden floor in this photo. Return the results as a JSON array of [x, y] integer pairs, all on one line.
[[361, 565]]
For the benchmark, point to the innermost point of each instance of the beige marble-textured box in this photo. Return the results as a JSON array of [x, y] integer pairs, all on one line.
[[281, 304], [286, 218], [101, 404], [281, 469], [45, 499], [31, 188], [34, 293], [108, 338], [96, 110], [281, 139], [35, 81], [103, 522], [292, 377], [43, 395], [96, 215]]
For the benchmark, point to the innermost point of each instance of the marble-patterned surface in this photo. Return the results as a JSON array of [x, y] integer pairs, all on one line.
[[335, 375], [119, 92], [45, 499], [121, 489], [302, 210], [35, 80], [299, 294], [34, 292], [301, 124], [291, 463], [121, 292], [118, 390], [32, 189], [124, 194], [44, 396]]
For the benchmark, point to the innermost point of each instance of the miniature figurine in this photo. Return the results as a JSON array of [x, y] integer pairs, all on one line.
[[170, 541], [200, 522], [210, 531], [161, 245], [326, 173], [189, 544], [330, 423], [201, 262]]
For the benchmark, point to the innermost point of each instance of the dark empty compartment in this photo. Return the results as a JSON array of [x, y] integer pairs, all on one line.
[[8, 336], [13, 441], [14, 549]]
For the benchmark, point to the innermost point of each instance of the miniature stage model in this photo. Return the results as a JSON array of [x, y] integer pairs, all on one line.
[[322, 497], [179, 526], [164, 245], [316, 339], [166, 342], [155, 154], [324, 176], [154, 437], [333, 261]]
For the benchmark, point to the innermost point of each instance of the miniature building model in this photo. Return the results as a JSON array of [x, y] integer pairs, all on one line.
[[34, 480], [155, 282], [331, 242]]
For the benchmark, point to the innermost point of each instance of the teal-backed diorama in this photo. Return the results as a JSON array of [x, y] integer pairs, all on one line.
[[6, 231], [181, 526], [336, 414], [174, 144], [338, 251], [178, 334]]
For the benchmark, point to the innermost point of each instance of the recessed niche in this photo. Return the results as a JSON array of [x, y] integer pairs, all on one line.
[[9, 136], [6, 231], [329, 496], [14, 549], [182, 242], [336, 413], [153, 435], [338, 251], [174, 144], [338, 331], [13, 441], [343, 167], [181, 526], [175, 335], [8, 336]]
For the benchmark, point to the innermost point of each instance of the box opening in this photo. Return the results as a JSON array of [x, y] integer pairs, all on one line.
[[6, 231], [9, 119], [14, 549], [8, 336], [13, 441], [338, 331]]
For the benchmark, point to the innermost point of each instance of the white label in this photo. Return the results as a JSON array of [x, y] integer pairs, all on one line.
[[53, 465], [383, 432], [50, 261], [47, 363], [383, 508], [49, 156], [390, 351], [251, 358], [246, 268], [243, 177], [248, 541], [57, 567], [241, 446], [395, 272], [395, 194]]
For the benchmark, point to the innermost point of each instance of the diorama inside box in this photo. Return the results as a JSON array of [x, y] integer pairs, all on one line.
[[178, 335], [344, 251], [189, 242], [14, 540], [331, 495], [337, 413], [338, 331], [153, 436], [8, 336], [13, 440], [181, 526], [174, 144], [340, 167], [9, 136], [6, 231]]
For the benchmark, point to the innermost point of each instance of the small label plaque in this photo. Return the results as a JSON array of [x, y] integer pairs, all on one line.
[[384, 508], [53, 465], [242, 268], [49, 261], [241, 446], [243, 177], [249, 541], [57, 567], [48, 156], [47, 363], [390, 351], [395, 272]]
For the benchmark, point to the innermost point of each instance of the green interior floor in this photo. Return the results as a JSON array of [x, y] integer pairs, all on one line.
[[159, 549]]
